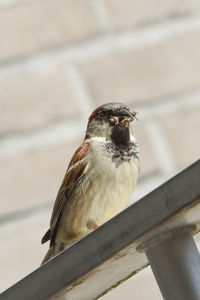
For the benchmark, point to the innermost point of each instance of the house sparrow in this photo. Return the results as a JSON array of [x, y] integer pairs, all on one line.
[[99, 180]]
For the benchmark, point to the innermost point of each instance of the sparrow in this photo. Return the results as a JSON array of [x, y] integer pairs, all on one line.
[[100, 178]]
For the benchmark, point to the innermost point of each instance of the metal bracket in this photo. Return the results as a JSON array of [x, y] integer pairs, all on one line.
[[175, 262]]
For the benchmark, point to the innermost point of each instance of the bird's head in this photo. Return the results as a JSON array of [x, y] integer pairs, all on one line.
[[112, 122]]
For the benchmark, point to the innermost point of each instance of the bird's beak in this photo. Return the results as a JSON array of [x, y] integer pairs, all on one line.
[[127, 117], [131, 116], [124, 118], [125, 113]]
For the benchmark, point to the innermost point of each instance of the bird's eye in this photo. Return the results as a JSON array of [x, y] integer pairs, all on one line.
[[103, 113]]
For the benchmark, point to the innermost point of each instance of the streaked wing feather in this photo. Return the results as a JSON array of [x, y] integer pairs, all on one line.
[[72, 178]]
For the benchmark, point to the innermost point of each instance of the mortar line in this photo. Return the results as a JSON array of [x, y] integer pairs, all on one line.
[[168, 105], [102, 16], [7, 3], [160, 147], [43, 209], [124, 40], [51, 135], [81, 91], [67, 131]]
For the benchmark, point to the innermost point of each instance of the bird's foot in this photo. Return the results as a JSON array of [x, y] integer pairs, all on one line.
[[92, 225]]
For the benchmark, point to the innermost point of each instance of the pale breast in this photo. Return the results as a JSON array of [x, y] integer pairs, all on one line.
[[103, 193], [113, 184]]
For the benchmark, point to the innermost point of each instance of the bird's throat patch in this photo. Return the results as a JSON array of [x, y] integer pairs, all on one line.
[[120, 136]]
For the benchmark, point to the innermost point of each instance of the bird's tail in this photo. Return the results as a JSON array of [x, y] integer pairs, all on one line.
[[55, 249], [49, 255]]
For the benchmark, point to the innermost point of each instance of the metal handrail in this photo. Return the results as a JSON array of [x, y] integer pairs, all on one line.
[[114, 252]]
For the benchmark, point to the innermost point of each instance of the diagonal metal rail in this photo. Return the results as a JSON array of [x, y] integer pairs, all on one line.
[[119, 249]]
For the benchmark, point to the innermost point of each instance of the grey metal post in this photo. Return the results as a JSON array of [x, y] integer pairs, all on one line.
[[175, 262]]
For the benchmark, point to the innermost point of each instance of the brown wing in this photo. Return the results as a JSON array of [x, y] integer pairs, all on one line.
[[72, 178]]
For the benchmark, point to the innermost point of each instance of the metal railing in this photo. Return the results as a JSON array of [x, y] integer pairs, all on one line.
[[157, 230]]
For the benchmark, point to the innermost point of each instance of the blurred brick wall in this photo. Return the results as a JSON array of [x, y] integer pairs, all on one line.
[[60, 59]]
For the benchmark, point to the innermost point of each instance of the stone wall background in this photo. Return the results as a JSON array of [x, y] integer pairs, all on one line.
[[59, 60]]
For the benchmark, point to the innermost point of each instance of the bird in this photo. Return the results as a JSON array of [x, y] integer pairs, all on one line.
[[99, 180]]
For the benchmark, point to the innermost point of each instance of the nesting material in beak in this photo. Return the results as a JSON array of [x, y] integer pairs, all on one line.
[[125, 122], [134, 115], [114, 120]]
